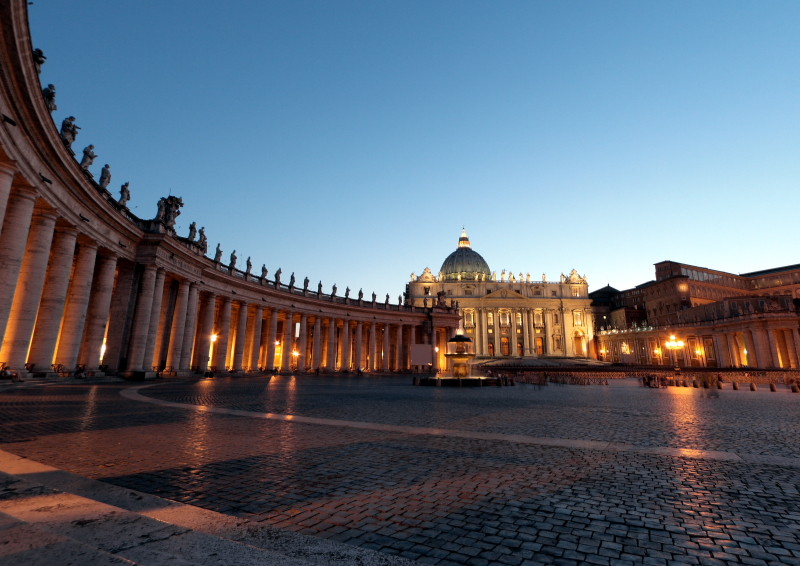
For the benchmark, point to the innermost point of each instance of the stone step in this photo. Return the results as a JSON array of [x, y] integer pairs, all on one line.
[[50, 515]]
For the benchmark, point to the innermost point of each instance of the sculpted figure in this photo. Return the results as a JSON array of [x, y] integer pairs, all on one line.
[[49, 93], [105, 176], [399, 300], [39, 59], [347, 293], [413, 276], [319, 288], [249, 265], [386, 302], [192, 231], [202, 240], [264, 271], [124, 194], [69, 131], [172, 207], [278, 277], [218, 254], [360, 294], [233, 258], [291, 281], [333, 290], [374, 296], [305, 284], [88, 157], [544, 278], [162, 206]]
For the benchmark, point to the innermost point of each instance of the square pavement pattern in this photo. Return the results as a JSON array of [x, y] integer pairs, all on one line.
[[387, 473]]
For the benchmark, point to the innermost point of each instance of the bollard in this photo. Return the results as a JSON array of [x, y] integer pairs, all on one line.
[[772, 387], [794, 388], [719, 385], [735, 386], [705, 384], [694, 383], [753, 387]]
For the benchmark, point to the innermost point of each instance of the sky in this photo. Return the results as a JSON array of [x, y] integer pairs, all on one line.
[[350, 141]]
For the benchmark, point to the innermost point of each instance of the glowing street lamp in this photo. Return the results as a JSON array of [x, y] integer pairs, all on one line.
[[673, 345]]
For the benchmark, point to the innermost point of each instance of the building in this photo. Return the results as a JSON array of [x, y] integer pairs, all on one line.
[[723, 319], [511, 315], [86, 285]]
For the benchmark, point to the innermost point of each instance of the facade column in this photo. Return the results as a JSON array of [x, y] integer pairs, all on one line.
[[241, 337], [7, 173], [13, 239], [795, 337], [223, 336], [514, 349], [359, 345], [150, 359], [54, 296], [72, 327], [484, 333], [399, 360], [22, 316], [141, 319], [99, 307], [288, 337], [526, 332], [434, 348], [331, 365], [547, 317], [345, 366], [178, 327], [774, 338], [272, 337], [206, 330], [316, 348], [190, 333], [302, 343], [497, 331], [386, 361], [255, 343], [722, 352]]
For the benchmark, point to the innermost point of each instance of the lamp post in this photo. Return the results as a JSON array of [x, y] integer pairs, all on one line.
[[672, 345]]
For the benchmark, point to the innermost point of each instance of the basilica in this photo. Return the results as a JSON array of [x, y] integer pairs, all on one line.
[[510, 315]]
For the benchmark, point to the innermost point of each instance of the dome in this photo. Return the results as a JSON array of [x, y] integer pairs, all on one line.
[[464, 263]]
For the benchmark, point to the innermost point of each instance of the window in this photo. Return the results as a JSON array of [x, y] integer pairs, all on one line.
[[577, 316], [490, 318], [576, 292], [555, 318], [519, 318]]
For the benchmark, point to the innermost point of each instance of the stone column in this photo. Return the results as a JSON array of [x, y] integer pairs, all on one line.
[[345, 345], [190, 333], [119, 318], [373, 346], [302, 346], [774, 340], [272, 337], [241, 336], [387, 349], [255, 343], [484, 345], [151, 357], [54, 296], [13, 238], [763, 352], [72, 327], [7, 172], [178, 327], [99, 307], [29, 292], [141, 319], [206, 330], [723, 357], [288, 336], [359, 345], [331, 365], [316, 348], [497, 331], [223, 336], [434, 346], [795, 345], [400, 361]]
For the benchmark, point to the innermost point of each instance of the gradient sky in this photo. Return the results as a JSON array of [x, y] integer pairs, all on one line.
[[349, 141]]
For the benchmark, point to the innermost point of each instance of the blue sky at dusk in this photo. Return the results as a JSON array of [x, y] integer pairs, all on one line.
[[350, 141]]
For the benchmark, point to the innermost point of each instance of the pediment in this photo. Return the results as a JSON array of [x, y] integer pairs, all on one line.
[[505, 294]]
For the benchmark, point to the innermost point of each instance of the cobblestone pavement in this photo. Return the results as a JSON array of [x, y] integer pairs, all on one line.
[[514, 475]]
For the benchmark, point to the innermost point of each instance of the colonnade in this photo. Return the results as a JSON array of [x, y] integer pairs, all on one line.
[[85, 285]]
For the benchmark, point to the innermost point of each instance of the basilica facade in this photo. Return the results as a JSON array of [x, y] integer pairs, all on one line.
[[510, 315]]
